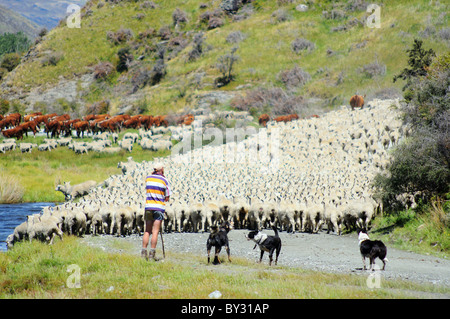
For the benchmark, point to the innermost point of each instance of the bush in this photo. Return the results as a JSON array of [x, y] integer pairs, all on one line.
[[197, 47], [273, 100], [103, 70], [121, 36], [422, 163], [52, 59], [374, 69], [10, 61], [179, 17], [294, 78], [301, 44], [225, 65], [125, 58], [235, 37]]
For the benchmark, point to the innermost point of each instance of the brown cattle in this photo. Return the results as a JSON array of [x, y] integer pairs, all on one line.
[[16, 132], [81, 127], [286, 118], [53, 127], [263, 119], [29, 126], [133, 122], [357, 101], [146, 121]]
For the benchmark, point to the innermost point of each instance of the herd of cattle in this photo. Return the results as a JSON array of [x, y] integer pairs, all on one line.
[[11, 125], [322, 180]]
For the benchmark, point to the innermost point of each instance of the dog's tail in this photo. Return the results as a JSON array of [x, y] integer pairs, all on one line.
[[275, 230]]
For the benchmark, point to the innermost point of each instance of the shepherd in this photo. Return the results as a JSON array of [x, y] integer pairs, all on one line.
[[157, 195]]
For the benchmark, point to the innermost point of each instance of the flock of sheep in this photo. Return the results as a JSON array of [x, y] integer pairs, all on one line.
[[305, 175]]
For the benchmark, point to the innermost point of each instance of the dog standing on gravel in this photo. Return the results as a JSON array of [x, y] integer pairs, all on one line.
[[219, 238], [371, 249], [267, 243]]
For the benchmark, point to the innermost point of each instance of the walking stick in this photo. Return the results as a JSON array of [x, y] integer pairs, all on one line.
[[162, 242]]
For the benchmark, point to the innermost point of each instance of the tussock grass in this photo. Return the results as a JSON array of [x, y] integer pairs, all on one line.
[[11, 191], [36, 270]]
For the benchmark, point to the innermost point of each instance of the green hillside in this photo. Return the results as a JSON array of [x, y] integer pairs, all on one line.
[[330, 41]]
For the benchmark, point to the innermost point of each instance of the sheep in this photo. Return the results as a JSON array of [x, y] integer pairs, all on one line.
[[44, 230], [126, 144], [161, 145], [72, 192], [127, 166], [20, 233], [44, 147], [27, 147], [131, 136], [75, 223], [146, 144]]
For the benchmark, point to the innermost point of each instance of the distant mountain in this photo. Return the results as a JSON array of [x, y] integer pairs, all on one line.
[[45, 13], [12, 22]]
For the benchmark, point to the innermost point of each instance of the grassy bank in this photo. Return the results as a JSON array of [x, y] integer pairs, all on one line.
[[37, 173], [425, 230], [36, 270]]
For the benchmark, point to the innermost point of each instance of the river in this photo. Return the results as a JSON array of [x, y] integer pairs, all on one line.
[[12, 215]]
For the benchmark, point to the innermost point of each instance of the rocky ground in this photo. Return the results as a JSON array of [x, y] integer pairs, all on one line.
[[321, 252]]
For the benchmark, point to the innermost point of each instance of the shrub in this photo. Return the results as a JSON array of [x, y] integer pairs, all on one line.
[[374, 69], [10, 61], [179, 17], [421, 163], [120, 36], [235, 37], [301, 44], [281, 15], [125, 58], [197, 47], [294, 78], [103, 70], [3, 73], [273, 100], [225, 66], [52, 59], [4, 106], [419, 60]]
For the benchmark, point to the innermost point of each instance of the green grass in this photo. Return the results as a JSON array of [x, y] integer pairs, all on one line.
[[263, 54], [36, 270], [38, 172], [425, 230]]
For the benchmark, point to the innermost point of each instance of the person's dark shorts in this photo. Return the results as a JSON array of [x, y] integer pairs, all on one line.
[[151, 215]]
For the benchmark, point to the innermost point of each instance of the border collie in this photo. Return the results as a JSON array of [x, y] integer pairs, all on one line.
[[266, 243], [371, 249], [219, 238]]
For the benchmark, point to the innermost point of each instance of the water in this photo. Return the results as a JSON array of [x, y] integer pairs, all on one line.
[[12, 215]]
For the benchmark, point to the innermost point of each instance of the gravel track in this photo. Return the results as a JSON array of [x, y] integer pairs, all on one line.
[[322, 252]]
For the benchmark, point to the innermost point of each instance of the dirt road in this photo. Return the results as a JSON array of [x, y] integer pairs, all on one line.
[[323, 252]]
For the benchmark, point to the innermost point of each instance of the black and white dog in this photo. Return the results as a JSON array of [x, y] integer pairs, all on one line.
[[371, 249], [219, 238], [267, 243]]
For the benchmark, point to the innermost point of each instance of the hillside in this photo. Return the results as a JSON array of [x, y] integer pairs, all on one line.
[[307, 60], [43, 13], [11, 22]]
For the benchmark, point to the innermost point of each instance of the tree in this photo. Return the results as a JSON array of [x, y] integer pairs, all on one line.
[[419, 61], [421, 164], [14, 43], [225, 65]]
